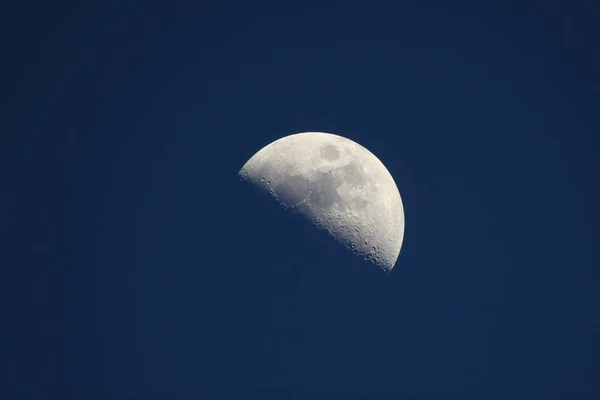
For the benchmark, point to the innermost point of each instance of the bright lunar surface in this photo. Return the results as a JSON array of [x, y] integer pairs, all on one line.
[[337, 184]]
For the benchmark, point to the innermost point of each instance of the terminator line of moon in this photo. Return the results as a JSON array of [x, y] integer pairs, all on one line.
[[338, 185]]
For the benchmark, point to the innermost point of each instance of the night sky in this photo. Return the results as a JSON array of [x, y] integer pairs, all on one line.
[[134, 263]]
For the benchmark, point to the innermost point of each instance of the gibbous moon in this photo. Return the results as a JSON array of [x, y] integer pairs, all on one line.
[[337, 184]]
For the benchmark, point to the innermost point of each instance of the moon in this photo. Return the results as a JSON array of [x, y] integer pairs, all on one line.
[[338, 185]]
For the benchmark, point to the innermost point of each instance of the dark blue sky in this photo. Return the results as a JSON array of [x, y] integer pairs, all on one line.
[[136, 265]]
